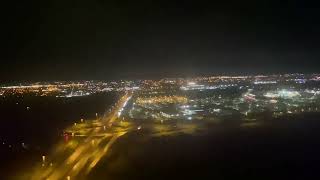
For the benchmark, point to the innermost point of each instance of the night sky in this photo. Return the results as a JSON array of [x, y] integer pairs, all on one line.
[[88, 39]]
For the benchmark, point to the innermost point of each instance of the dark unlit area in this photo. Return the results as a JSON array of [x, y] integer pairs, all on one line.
[[283, 148]]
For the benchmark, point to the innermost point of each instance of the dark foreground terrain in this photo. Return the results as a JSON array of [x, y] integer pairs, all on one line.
[[286, 148]]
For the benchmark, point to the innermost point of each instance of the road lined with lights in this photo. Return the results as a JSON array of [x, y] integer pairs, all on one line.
[[87, 142], [77, 156]]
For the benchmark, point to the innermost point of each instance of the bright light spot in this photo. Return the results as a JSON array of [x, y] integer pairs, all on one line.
[[288, 94], [273, 101]]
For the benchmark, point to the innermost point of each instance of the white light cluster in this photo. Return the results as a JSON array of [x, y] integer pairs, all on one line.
[[284, 93], [265, 82], [288, 94], [203, 87]]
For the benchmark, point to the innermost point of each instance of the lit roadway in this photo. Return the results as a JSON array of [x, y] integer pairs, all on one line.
[[83, 149], [88, 142]]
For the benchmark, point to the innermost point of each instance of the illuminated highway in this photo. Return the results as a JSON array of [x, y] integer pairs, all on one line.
[[86, 142], [89, 141]]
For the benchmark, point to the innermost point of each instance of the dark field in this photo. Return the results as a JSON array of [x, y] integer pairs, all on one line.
[[286, 148]]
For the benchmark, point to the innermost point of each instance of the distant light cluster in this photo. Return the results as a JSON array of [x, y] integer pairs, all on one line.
[[194, 86], [158, 87], [265, 82], [225, 97], [67, 89], [162, 100]]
